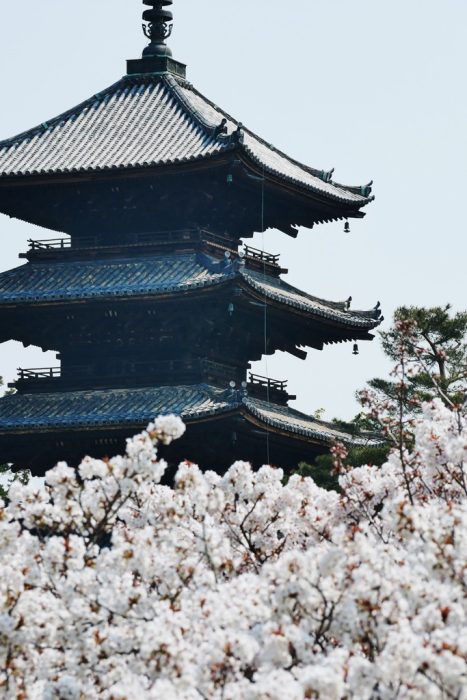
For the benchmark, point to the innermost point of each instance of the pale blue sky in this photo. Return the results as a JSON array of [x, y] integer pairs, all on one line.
[[375, 89]]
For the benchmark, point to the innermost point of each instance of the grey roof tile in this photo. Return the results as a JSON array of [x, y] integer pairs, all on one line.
[[74, 409], [270, 157], [286, 418], [119, 407], [149, 121], [87, 279], [128, 126], [158, 274], [278, 290]]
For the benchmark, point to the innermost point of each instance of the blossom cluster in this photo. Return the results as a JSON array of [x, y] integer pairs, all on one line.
[[242, 586]]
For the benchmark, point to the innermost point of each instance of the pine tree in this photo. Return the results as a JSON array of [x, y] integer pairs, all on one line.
[[428, 347], [434, 345]]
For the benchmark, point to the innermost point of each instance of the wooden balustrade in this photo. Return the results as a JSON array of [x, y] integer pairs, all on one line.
[[256, 380], [38, 373], [261, 255], [163, 239], [204, 367]]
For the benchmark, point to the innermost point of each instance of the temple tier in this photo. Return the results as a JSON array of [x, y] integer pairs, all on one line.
[[150, 300]]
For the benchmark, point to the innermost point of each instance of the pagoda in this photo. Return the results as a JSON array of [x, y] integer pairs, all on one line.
[[149, 295]]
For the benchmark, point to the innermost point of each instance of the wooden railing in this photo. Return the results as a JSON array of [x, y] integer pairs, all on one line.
[[86, 376], [161, 238], [261, 255], [207, 368], [39, 373], [50, 244], [142, 238], [256, 380]]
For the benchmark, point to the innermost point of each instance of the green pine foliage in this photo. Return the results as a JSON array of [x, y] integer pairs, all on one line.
[[438, 352], [322, 470], [432, 344]]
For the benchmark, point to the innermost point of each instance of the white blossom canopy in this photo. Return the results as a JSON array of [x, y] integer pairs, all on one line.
[[238, 587]]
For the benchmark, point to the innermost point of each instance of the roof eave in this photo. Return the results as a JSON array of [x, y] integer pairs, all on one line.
[[359, 331], [348, 207]]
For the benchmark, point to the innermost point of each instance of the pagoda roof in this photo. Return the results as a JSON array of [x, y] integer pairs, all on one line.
[[276, 289], [162, 274], [78, 410], [147, 121], [106, 278]]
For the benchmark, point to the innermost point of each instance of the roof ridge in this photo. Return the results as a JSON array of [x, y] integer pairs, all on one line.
[[174, 87], [255, 279], [191, 87], [338, 305], [211, 129], [257, 405], [324, 175], [329, 429]]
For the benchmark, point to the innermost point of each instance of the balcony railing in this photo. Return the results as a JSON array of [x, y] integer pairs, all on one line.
[[135, 239], [160, 369], [261, 256], [50, 244], [129, 373], [39, 373], [163, 239], [256, 380]]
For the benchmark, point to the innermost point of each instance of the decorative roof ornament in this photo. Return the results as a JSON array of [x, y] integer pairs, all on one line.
[[157, 27], [157, 56]]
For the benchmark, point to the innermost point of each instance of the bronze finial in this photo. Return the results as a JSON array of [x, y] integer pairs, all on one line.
[[157, 27], [157, 57]]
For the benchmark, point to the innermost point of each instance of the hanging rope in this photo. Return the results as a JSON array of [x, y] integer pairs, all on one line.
[[268, 457]]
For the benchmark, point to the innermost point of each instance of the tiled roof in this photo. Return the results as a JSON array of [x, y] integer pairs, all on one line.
[[119, 407], [128, 125], [286, 418], [75, 409], [158, 274], [269, 157], [149, 121], [88, 279], [276, 289]]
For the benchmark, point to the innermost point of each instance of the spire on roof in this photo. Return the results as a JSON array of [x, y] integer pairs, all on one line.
[[157, 56], [157, 27]]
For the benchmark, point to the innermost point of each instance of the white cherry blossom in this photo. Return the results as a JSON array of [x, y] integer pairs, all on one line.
[[241, 586]]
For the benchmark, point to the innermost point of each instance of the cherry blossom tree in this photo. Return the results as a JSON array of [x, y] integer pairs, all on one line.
[[239, 586], [7, 476]]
